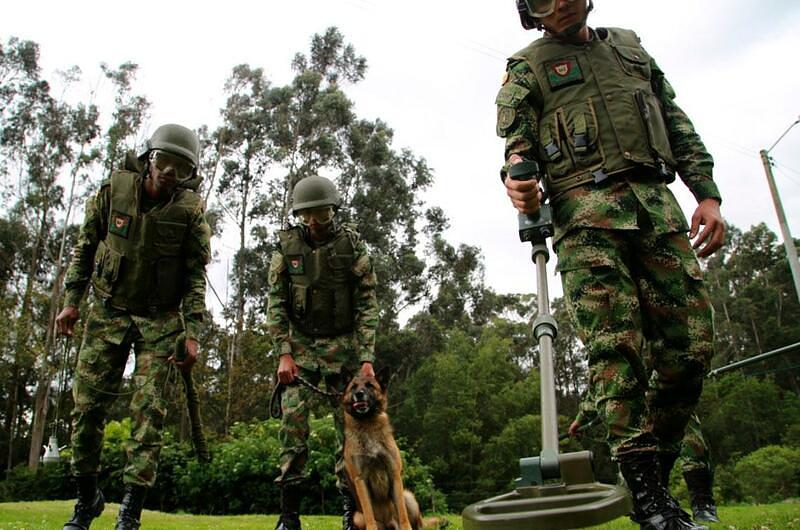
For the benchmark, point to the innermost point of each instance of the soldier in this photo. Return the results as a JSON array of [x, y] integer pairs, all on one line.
[[143, 246], [322, 316], [596, 112]]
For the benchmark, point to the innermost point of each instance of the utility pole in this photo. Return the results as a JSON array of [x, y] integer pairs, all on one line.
[[788, 241]]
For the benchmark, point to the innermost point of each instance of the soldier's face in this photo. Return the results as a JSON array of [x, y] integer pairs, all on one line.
[[567, 13], [165, 171], [318, 220]]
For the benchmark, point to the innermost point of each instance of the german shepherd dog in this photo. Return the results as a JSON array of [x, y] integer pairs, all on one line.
[[373, 463]]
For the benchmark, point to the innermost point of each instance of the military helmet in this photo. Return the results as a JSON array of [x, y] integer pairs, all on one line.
[[314, 192], [175, 139]]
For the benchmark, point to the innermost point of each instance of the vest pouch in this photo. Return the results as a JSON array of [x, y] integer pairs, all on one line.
[[340, 265], [570, 141], [341, 273], [107, 265], [634, 61], [343, 311], [580, 123], [553, 146], [657, 128], [299, 301], [169, 237], [168, 283]]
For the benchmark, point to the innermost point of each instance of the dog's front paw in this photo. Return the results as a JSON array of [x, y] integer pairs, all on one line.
[[374, 526], [405, 526]]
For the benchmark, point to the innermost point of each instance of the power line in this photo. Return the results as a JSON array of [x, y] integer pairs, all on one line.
[[781, 168]]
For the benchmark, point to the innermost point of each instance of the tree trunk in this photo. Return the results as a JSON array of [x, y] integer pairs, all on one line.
[[42, 401], [22, 332], [234, 345]]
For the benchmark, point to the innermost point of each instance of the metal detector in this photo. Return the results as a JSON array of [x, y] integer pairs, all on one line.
[[554, 491]]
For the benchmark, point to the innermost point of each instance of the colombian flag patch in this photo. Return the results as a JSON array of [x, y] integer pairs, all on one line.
[[563, 72], [295, 264], [119, 224]]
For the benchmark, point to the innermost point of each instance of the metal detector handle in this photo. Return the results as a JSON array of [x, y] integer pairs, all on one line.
[[537, 227]]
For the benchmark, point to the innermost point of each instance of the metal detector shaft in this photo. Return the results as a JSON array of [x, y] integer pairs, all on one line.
[[544, 328]]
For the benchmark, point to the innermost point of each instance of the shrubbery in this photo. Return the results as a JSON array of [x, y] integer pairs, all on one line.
[[240, 479], [769, 474]]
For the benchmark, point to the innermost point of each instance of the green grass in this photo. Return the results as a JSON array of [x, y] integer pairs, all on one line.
[[51, 515]]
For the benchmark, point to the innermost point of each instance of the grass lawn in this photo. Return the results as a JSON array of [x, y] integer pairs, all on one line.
[[51, 515]]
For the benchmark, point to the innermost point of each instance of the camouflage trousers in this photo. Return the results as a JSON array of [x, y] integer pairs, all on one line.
[[694, 449], [98, 378], [319, 360], [625, 288]]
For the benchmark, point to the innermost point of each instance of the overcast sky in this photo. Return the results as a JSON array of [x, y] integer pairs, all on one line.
[[434, 70]]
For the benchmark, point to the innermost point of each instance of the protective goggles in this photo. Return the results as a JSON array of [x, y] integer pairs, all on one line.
[[541, 8], [321, 216], [163, 161]]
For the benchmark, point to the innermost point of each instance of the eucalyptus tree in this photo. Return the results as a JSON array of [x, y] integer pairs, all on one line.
[[243, 147]]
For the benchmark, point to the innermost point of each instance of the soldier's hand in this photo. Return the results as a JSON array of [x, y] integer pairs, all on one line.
[[191, 356], [367, 370], [573, 429], [65, 321], [287, 369], [713, 235], [525, 195]]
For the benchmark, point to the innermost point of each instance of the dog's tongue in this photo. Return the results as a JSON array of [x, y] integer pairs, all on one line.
[[361, 406]]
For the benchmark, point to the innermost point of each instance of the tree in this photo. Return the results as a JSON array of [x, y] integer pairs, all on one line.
[[244, 148]]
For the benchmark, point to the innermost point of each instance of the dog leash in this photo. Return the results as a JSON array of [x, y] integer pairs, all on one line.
[[275, 410]]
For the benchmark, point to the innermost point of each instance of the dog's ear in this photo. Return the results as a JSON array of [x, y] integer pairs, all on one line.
[[383, 377]]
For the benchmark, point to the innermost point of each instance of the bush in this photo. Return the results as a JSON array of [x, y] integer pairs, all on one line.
[[47, 482], [769, 474], [240, 478]]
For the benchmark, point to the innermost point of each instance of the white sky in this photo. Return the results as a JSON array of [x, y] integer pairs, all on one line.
[[434, 70]]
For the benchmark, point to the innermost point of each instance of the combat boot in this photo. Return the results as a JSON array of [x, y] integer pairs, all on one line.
[[666, 461], [90, 504], [653, 507], [704, 508], [130, 509], [290, 508], [349, 508]]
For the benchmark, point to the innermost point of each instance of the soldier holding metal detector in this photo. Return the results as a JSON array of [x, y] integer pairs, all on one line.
[[596, 113], [143, 246]]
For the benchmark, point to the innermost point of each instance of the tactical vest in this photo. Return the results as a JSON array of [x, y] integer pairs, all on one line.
[[321, 282], [139, 265], [591, 124]]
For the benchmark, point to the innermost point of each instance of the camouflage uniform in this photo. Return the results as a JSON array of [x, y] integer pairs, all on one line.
[[318, 358], [627, 267], [111, 331], [694, 453]]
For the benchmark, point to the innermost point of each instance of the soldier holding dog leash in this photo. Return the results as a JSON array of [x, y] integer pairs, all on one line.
[[322, 316], [144, 245]]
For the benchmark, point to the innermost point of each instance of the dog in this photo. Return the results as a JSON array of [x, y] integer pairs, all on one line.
[[373, 463]]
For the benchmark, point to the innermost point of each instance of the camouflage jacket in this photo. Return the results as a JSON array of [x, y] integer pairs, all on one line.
[[619, 202], [365, 306], [196, 255]]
